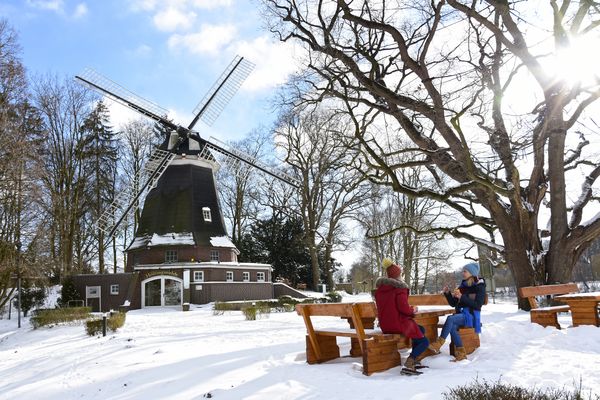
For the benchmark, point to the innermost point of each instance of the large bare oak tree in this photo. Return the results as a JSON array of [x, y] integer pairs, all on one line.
[[479, 90]]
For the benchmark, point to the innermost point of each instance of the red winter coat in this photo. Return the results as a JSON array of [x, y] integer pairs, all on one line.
[[393, 311]]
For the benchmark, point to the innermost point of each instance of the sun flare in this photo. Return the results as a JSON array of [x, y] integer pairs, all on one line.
[[579, 63]]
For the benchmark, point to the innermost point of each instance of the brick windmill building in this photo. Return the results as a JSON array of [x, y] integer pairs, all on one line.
[[181, 253]]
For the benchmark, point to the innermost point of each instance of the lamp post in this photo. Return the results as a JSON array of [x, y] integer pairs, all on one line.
[[18, 246]]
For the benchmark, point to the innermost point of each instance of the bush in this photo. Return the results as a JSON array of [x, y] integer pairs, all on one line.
[[283, 304], [45, 317], [501, 391], [31, 297], [116, 320], [113, 322], [93, 327], [68, 292], [333, 297], [263, 308], [249, 313]]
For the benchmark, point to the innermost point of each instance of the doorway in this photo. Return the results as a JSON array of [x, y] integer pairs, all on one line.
[[162, 291]]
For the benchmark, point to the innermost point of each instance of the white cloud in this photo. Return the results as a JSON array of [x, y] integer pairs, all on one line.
[[142, 50], [120, 114], [53, 5], [210, 4], [275, 62], [172, 19], [153, 5], [143, 5], [80, 11], [208, 41]]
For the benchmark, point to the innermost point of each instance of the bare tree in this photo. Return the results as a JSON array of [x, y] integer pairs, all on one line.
[[20, 140], [137, 141], [444, 73], [239, 189], [64, 107], [330, 191]]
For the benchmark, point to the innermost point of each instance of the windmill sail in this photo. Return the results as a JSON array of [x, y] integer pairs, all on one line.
[[213, 103], [127, 200], [233, 158], [118, 93]]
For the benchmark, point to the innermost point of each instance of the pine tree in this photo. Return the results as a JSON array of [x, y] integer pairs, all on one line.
[[100, 150]]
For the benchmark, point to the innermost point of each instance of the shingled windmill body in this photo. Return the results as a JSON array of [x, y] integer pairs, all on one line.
[[181, 252]]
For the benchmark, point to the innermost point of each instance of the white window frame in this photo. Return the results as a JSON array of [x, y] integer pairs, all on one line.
[[201, 276], [258, 276], [170, 260], [206, 214], [246, 276], [112, 288], [215, 255], [227, 276]]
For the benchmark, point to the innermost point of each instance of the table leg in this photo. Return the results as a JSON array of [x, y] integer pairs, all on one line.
[[584, 312], [431, 326]]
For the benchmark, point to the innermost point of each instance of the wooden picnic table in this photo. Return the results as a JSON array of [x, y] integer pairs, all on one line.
[[584, 307], [428, 318]]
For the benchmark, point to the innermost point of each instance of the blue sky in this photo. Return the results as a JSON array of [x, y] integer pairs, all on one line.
[[168, 51]]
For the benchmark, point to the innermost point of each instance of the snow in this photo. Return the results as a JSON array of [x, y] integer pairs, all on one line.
[[168, 239], [221, 241], [170, 354]]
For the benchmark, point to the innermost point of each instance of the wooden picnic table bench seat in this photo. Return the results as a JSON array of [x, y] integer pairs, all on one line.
[[546, 316], [378, 350]]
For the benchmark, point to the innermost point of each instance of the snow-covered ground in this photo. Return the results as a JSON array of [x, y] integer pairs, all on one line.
[[169, 354]]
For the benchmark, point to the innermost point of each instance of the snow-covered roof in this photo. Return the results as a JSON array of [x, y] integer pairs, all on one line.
[[221, 241], [169, 239]]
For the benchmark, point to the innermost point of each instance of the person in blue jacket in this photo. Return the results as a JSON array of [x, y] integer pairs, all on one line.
[[467, 299]]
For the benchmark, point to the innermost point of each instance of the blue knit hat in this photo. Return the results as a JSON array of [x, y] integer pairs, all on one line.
[[473, 268]]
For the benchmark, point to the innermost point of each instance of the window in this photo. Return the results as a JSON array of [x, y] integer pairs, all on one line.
[[229, 276], [198, 276], [260, 276], [246, 276], [214, 255], [206, 214], [171, 256], [114, 289]]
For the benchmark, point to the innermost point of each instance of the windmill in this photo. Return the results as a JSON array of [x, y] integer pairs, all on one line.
[[181, 206]]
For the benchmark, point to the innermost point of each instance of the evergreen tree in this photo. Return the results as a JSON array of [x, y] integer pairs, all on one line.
[[280, 243], [31, 297], [100, 150], [68, 292]]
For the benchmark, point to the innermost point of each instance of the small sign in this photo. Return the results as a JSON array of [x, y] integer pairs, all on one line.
[[198, 287], [92, 292]]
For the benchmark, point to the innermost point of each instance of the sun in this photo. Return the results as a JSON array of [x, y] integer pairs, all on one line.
[[578, 63]]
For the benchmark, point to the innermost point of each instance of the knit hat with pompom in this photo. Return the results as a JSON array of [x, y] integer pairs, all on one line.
[[391, 269]]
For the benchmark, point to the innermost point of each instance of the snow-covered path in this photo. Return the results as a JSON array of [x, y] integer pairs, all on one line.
[[169, 354]]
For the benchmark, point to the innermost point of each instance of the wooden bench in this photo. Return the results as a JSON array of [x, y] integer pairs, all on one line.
[[378, 350], [546, 316]]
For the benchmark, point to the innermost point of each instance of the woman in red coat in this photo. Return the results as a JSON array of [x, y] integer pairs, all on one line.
[[396, 315]]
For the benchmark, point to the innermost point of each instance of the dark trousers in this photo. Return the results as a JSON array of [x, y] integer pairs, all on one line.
[[419, 345]]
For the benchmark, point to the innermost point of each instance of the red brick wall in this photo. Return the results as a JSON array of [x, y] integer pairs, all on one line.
[[156, 255]]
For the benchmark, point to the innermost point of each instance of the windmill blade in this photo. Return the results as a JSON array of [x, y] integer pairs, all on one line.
[[118, 93], [213, 103], [232, 157], [127, 200]]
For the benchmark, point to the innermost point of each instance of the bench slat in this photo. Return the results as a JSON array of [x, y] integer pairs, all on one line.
[[554, 309], [546, 290]]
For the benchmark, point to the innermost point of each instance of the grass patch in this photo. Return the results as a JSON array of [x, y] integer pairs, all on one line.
[[484, 390], [55, 316]]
